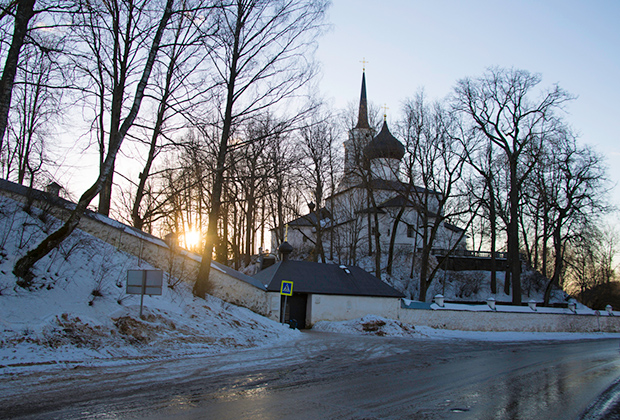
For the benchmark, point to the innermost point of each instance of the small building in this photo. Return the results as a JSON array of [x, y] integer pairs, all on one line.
[[327, 292]]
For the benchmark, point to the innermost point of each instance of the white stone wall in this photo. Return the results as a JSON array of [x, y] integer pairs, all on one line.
[[342, 308], [508, 321]]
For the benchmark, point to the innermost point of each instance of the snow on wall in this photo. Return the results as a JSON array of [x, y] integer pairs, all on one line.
[[184, 266], [177, 262], [508, 321]]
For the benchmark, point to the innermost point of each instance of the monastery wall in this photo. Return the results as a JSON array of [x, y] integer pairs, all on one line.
[[509, 321], [178, 263], [230, 287]]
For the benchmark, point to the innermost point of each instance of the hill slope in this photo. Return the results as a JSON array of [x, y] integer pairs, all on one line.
[[77, 309]]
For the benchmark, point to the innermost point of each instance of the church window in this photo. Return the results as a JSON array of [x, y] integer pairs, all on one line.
[[410, 231]]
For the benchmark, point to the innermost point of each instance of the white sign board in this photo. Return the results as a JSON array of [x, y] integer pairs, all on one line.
[[148, 282]]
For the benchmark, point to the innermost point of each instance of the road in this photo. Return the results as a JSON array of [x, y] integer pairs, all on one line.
[[331, 376]]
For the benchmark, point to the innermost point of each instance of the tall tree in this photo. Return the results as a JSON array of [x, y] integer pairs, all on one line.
[[434, 167], [23, 14], [317, 145], [36, 107], [260, 57], [23, 266], [176, 91], [115, 38], [577, 178], [501, 107]]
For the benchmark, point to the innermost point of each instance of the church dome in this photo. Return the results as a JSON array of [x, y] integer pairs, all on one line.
[[384, 145]]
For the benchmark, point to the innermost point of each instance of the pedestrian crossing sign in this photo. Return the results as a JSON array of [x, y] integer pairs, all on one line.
[[286, 288]]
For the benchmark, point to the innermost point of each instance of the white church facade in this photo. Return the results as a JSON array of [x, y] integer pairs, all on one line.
[[371, 196]]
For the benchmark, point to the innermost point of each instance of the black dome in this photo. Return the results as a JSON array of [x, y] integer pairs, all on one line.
[[384, 145], [285, 248]]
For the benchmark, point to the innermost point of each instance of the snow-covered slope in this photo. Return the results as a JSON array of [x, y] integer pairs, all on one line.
[[77, 311]]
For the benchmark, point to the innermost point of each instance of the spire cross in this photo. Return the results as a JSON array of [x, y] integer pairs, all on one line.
[[384, 108], [364, 63], [286, 234]]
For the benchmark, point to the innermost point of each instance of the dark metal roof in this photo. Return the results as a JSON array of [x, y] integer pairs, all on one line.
[[388, 185], [362, 118], [310, 219], [399, 201], [384, 145], [236, 274], [325, 279]]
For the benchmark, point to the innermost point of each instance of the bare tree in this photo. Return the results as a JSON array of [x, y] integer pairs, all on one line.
[[577, 178], [260, 57], [317, 140], [24, 265], [36, 107], [24, 11], [114, 38], [434, 167], [175, 92], [283, 191], [482, 157], [500, 107]]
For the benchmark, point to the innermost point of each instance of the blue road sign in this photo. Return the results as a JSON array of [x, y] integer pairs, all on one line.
[[286, 288]]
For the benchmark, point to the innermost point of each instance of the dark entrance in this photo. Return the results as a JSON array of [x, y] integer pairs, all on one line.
[[295, 312]]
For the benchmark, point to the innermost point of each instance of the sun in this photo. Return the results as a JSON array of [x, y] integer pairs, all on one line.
[[191, 239]]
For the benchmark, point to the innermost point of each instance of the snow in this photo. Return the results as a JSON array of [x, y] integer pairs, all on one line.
[[77, 311], [376, 325]]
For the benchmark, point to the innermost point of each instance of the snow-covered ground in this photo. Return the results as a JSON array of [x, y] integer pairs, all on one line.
[[77, 311]]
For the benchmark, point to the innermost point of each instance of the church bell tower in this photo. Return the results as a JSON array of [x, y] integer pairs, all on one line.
[[359, 137]]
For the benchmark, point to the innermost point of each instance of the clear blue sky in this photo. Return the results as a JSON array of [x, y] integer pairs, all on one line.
[[413, 44]]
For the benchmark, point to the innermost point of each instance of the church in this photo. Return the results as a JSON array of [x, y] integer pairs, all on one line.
[[371, 200]]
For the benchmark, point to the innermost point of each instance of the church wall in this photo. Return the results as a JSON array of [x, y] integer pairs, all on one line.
[[342, 308], [384, 168]]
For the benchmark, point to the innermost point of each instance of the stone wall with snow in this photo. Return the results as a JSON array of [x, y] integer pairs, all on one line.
[[230, 286], [510, 318]]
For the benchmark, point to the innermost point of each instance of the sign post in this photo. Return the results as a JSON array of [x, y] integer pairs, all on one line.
[[286, 290], [144, 282]]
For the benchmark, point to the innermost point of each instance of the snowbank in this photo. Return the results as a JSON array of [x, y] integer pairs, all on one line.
[[376, 325], [76, 310]]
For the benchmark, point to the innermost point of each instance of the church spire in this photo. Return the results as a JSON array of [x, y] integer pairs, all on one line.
[[362, 119]]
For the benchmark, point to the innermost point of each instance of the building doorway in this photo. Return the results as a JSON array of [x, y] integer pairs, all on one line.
[[295, 311]]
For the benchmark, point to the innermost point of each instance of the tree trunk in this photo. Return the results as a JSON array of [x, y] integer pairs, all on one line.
[[25, 12], [493, 220], [393, 240], [557, 245], [23, 266], [202, 286], [513, 235]]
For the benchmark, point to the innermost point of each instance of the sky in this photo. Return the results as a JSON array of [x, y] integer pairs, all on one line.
[[413, 44]]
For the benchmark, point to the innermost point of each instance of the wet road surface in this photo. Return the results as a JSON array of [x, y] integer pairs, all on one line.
[[331, 376]]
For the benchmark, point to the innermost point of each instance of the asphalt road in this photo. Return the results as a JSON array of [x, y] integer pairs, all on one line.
[[330, 376]]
